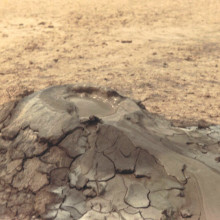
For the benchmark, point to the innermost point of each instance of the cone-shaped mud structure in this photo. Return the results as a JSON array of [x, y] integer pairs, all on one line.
[[88, 153]]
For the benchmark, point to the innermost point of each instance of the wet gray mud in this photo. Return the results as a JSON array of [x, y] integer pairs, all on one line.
[[80, 152]]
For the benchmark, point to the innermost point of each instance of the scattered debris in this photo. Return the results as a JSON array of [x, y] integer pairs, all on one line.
[[126, 41]]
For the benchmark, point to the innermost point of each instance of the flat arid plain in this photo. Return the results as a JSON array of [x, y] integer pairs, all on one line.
[[164, 53]]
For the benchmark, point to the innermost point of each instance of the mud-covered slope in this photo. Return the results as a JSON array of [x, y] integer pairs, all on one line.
[[80, 152]]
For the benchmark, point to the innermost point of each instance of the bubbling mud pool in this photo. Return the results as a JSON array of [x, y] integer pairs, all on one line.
[[92, 106]]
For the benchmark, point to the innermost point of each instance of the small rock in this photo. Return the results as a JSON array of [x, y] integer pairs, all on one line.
[[126, 41], [42, 23]]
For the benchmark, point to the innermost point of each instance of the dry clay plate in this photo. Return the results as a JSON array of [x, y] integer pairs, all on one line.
[[81, 152]]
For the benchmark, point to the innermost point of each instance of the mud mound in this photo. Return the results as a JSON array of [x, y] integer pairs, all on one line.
[[71, 152]]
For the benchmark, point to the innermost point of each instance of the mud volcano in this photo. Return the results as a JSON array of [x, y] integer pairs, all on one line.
[[88, 153]]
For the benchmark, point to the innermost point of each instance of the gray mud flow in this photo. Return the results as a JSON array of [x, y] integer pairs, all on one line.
[[80, 152]]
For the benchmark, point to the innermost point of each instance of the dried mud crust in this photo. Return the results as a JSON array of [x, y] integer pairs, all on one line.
[[80, 152]]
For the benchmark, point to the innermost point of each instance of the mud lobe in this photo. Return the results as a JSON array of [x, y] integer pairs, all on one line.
[[82, 152]]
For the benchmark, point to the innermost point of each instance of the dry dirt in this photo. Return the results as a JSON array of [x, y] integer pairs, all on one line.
[[164, 53]]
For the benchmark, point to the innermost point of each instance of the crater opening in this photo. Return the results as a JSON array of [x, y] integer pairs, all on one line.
[[88, 106]]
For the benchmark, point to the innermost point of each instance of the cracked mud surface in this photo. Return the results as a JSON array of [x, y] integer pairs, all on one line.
[[62, 159]]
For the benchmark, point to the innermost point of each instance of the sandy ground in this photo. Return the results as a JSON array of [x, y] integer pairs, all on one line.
[[164, 53]]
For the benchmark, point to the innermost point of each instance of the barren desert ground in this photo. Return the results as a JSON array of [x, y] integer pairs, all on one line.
[[164, 53]]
